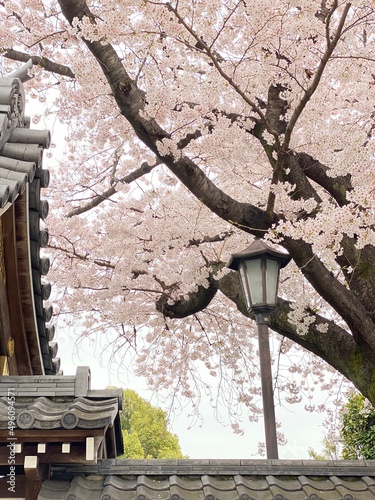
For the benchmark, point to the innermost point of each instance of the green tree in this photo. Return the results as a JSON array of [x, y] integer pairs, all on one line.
[[145, 430], [358, 429], [132, 446], [357, 433], [329, 451]]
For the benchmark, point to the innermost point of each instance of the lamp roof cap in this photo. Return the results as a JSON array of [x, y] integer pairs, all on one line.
[[256, 249]]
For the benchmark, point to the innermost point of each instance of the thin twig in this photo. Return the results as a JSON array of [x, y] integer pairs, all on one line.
[[316, 80]]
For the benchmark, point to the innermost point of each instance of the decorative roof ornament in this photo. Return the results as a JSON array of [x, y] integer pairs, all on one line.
[[23, 73]]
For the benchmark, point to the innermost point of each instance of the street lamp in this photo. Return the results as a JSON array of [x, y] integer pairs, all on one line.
[[259, 266]]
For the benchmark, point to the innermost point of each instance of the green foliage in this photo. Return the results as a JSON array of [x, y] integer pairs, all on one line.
[[357, 433], [145, 430], [358, 429], [132, 446], [329, 451]]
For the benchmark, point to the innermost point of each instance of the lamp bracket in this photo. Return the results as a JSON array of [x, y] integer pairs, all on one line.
[[262, 317]]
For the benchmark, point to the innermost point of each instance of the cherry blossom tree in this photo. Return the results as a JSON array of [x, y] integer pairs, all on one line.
[[192, 127]]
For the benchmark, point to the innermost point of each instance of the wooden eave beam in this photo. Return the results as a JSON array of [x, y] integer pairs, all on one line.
[[50, 435], [110, 441], [10, 302], [5, 330], [21, 207], [53, 454]]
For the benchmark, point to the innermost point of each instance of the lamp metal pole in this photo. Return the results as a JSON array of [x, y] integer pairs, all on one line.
[[259, 267], [262, 320]]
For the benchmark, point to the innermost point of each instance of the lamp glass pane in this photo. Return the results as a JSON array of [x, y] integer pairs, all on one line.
[[254, 276], [244, 283], [272, 274]]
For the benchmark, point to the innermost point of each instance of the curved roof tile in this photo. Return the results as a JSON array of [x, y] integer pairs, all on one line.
[[212, 479], [45, 413], [21, 168]]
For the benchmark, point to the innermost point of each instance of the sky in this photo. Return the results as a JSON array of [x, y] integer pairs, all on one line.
[[303, 430]]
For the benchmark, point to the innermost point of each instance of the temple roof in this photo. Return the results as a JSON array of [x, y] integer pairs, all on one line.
[[57, 410], [68, 413], [24, 312], [213, 479]]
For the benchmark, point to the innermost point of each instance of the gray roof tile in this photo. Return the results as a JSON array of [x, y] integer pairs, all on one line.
[[108, 480], [370, 481], [45, 413], [54, 489]]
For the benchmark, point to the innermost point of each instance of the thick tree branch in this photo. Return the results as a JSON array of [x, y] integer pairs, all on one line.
[[184, 307], [43, 62], [130, 100], [296, 176], [358, 267], [337, 187], [344, 301], [276, 108]]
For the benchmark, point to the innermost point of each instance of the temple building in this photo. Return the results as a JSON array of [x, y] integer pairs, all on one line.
[[26, 340], [59, 438]]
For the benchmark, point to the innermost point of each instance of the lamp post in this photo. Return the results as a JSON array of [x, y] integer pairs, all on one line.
[[259, 266]]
